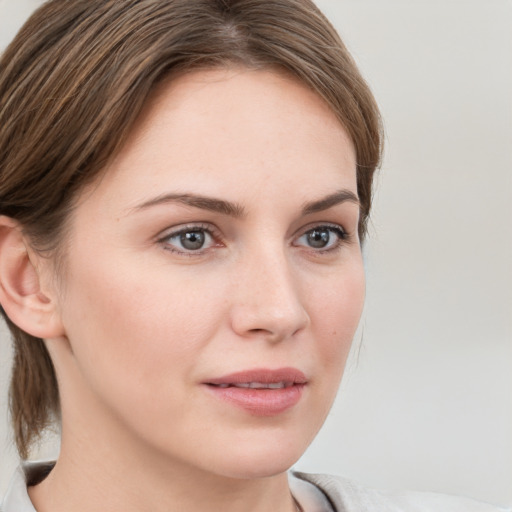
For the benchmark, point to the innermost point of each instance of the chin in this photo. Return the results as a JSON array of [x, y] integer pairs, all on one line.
[[263, 467], [258, 458]]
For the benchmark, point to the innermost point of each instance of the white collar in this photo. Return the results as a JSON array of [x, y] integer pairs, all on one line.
[[311, 498]]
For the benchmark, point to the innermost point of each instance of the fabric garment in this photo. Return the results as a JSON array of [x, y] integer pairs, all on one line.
[[315, 493], [347, 496]]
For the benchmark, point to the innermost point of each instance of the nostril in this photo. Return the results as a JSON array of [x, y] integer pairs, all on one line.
[[274, 318]]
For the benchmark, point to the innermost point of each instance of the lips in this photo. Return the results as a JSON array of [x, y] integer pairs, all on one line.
[[261, 392], [262, 376], [257, 385]]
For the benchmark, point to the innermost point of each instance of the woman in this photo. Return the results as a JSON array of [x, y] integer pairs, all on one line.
[[185, 187]]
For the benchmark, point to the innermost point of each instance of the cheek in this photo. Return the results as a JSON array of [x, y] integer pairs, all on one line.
[[335, 316], [130, 327]]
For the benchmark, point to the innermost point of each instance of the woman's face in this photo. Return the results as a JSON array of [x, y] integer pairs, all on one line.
[[213, 278]]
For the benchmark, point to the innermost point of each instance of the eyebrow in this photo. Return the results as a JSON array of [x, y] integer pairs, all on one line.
[[236, 210], [197, 201], [338, 197]]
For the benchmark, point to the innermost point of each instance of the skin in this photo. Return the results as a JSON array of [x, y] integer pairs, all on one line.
[[146, 321]]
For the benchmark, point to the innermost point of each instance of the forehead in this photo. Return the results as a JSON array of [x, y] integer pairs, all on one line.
[[222, 129]]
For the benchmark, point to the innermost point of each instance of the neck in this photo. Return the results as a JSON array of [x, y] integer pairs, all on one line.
[[99, 472], [105, 465]]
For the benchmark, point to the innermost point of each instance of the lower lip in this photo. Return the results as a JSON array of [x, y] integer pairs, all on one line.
[[260, 402]]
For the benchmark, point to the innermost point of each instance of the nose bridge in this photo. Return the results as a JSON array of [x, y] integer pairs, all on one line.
[[268, 301]]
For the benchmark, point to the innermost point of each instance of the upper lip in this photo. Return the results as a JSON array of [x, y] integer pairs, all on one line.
[[261, 375]]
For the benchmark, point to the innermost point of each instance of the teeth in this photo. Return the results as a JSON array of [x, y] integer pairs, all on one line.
[[258, 385], [277, 385]]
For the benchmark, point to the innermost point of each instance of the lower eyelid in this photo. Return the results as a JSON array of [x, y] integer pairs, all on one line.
[[340, 233], [165, 239], [343, 236]]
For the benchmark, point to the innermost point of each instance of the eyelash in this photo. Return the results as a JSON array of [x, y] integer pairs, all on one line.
[[342, 238], [193, 228]]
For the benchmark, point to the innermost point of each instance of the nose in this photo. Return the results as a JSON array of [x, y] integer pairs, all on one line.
[[266, 298]]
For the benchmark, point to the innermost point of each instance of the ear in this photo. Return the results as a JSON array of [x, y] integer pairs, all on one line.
[[24, 301]]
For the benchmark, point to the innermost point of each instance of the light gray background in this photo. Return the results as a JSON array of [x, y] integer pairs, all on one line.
[[427, 399]]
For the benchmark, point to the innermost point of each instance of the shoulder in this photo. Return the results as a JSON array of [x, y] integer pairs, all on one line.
[[28, 473], [348, 496]]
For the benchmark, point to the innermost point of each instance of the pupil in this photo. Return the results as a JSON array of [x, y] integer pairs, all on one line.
[[192, 240], [319, 238]]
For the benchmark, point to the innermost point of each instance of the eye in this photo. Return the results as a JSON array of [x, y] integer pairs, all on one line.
[[322, 238], [188, 240]]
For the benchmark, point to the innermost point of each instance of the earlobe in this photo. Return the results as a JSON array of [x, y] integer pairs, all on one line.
[[21, 295]]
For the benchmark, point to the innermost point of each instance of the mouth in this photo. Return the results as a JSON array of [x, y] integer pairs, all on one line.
[[256, 385], [260, 392], [261, 378]]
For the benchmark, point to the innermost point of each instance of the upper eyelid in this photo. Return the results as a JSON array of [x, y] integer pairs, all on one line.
[[218, 235], [315, 225], [214, 230], [344, 238], [163, 239], [183, 228]]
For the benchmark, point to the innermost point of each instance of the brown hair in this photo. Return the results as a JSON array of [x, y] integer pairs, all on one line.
[[73, 82]]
